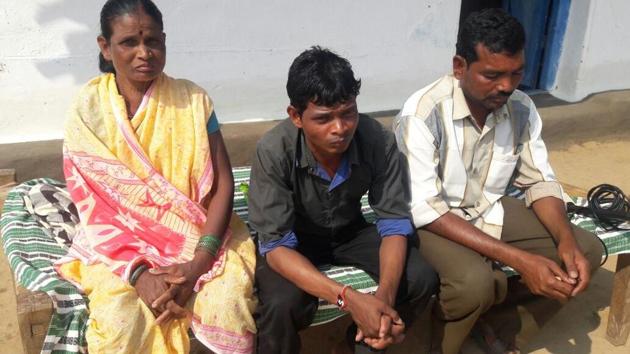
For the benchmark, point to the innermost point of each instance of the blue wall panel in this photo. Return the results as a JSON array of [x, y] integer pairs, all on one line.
[[533, 14], [553, 47]]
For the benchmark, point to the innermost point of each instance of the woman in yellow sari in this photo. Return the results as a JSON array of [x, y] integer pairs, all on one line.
[[158, 249]]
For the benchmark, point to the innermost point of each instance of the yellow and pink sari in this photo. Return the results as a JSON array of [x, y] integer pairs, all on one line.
[[139, 186]]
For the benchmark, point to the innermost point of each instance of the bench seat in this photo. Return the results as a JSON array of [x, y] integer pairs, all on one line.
[[37, 275]]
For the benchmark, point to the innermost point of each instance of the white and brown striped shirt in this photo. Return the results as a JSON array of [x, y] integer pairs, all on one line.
[[456, 166]]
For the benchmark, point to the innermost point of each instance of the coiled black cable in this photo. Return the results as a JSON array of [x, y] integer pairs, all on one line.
[[608, 205]]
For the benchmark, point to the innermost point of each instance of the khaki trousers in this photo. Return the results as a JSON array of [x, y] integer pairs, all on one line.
[[470, 285]]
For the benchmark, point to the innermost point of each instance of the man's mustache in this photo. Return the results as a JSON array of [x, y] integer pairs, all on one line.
[[505, 94]]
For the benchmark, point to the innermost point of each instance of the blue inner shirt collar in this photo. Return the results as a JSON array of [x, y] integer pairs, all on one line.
[[305, 159], [342, 174]]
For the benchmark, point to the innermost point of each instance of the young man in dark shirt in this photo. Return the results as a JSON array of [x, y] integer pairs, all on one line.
[[308, 176]]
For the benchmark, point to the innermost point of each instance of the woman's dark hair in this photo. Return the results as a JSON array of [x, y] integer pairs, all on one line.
[[116, 8], [320, 76], [495, 29]]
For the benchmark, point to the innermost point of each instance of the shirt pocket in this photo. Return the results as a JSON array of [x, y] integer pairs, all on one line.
[[499, 173]]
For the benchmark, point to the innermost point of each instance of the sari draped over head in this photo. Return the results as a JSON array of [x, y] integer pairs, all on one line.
[[139, 183]]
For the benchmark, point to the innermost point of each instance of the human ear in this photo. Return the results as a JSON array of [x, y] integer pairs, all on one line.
[[103, 44], [459, 67], [296, 118]]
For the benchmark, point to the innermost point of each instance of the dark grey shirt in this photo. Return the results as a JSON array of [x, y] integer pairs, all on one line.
[[292, 201]]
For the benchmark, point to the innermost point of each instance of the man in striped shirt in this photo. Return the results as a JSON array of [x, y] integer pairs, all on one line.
[[468, 137]]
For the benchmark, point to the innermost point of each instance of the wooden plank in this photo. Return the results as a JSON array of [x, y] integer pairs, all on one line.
[[7, 176], [7, 181], [619, 315], [11, 340], [9, 294], [34, 312]]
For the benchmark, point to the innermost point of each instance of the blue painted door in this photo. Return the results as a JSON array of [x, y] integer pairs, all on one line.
[[545, 23], [533, 14]]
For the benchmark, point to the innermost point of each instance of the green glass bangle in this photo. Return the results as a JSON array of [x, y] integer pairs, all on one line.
[[209, 243], [135, 274]]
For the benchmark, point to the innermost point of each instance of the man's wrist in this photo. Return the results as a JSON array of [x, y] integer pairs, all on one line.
[[351, 298], [519, 260], [386, 294], [342, 301], [566, 239]]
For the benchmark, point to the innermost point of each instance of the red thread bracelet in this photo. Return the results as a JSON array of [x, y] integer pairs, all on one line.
[[341, 298]]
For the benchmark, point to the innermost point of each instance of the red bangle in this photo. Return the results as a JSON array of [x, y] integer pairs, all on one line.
[[341, 298]]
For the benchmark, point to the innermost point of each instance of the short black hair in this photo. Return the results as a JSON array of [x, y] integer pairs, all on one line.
[[115, 8], [320, 76], [495, 29]]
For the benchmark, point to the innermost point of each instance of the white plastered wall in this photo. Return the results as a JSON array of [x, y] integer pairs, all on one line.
[[596, 49], [239, 51]]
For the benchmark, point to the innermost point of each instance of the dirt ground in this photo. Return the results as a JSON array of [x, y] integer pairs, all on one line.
[[588, 164]]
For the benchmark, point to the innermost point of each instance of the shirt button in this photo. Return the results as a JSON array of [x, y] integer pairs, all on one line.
[[467, 217]]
